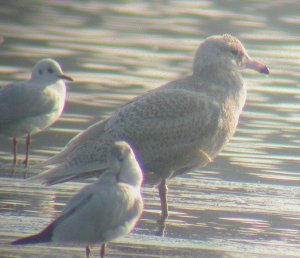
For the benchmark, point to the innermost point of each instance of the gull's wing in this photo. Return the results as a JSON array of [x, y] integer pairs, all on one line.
[[77, 202], [153, 124], [99, 212], [20, 101]]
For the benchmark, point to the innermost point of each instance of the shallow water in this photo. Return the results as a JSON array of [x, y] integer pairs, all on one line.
[[245, 204]]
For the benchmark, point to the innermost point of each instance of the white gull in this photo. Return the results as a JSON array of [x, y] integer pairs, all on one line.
[[29, 107], [103, 211]]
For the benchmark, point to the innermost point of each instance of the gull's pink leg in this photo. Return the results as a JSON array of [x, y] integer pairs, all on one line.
[[102, 250], [28, 141], [87, 251], [163, 191], [15, 143]]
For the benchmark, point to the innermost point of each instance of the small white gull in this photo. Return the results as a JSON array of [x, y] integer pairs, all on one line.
[[30, 106], [103, 211], [175, 128]]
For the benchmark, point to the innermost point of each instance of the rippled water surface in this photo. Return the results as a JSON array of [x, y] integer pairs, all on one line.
[[245, 204]]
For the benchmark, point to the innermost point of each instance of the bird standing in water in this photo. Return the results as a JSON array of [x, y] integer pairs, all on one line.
[[103, 211], [175, 128], [29, 107]]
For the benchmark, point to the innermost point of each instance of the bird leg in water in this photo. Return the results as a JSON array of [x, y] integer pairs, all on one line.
[[102, 250], [161, 228], [27, 150], [163, 191], [15, 143], [87, 251]]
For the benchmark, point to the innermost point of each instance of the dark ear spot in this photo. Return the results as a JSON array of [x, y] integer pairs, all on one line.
[[121, 158], [118, 177], [50, 70], [40, 71], [234, 52]]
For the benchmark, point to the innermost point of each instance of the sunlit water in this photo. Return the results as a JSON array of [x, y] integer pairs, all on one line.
[[245, 204]]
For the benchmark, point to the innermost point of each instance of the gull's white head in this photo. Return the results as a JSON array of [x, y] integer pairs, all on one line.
[[48, 71], [122, 162], [227, 51]]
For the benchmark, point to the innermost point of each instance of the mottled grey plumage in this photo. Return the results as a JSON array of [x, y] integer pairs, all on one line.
[[174, 128], [31, 106], [102, 211]]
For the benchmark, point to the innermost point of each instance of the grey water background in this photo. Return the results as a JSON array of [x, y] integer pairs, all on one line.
[[245, 204]]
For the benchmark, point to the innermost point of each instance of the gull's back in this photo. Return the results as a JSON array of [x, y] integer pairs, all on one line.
[[30, 106], [168, 127], [99, 213], [105, 210], [174, 128], [20, 105]]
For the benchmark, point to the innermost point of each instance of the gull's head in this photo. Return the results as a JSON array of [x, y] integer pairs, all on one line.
[[227, 51], [122, 162], [49, 71]]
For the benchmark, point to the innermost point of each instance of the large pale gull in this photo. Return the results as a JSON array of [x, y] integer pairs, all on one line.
[[175, 128]]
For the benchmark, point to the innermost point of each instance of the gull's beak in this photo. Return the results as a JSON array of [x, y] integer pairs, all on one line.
[[257, 66], [65, 77]]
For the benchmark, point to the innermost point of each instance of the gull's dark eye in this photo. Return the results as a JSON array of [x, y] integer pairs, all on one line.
[[234, 52], [40, 71], [50, 70]]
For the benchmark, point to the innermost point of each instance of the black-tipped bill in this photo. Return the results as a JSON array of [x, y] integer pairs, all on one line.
[[65, 77], [257, 66]]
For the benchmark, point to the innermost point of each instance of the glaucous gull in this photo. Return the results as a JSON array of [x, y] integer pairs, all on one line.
[[175, 128]]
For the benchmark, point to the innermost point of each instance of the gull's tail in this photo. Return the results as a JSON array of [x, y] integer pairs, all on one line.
[[63, 173], [42, 237]]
